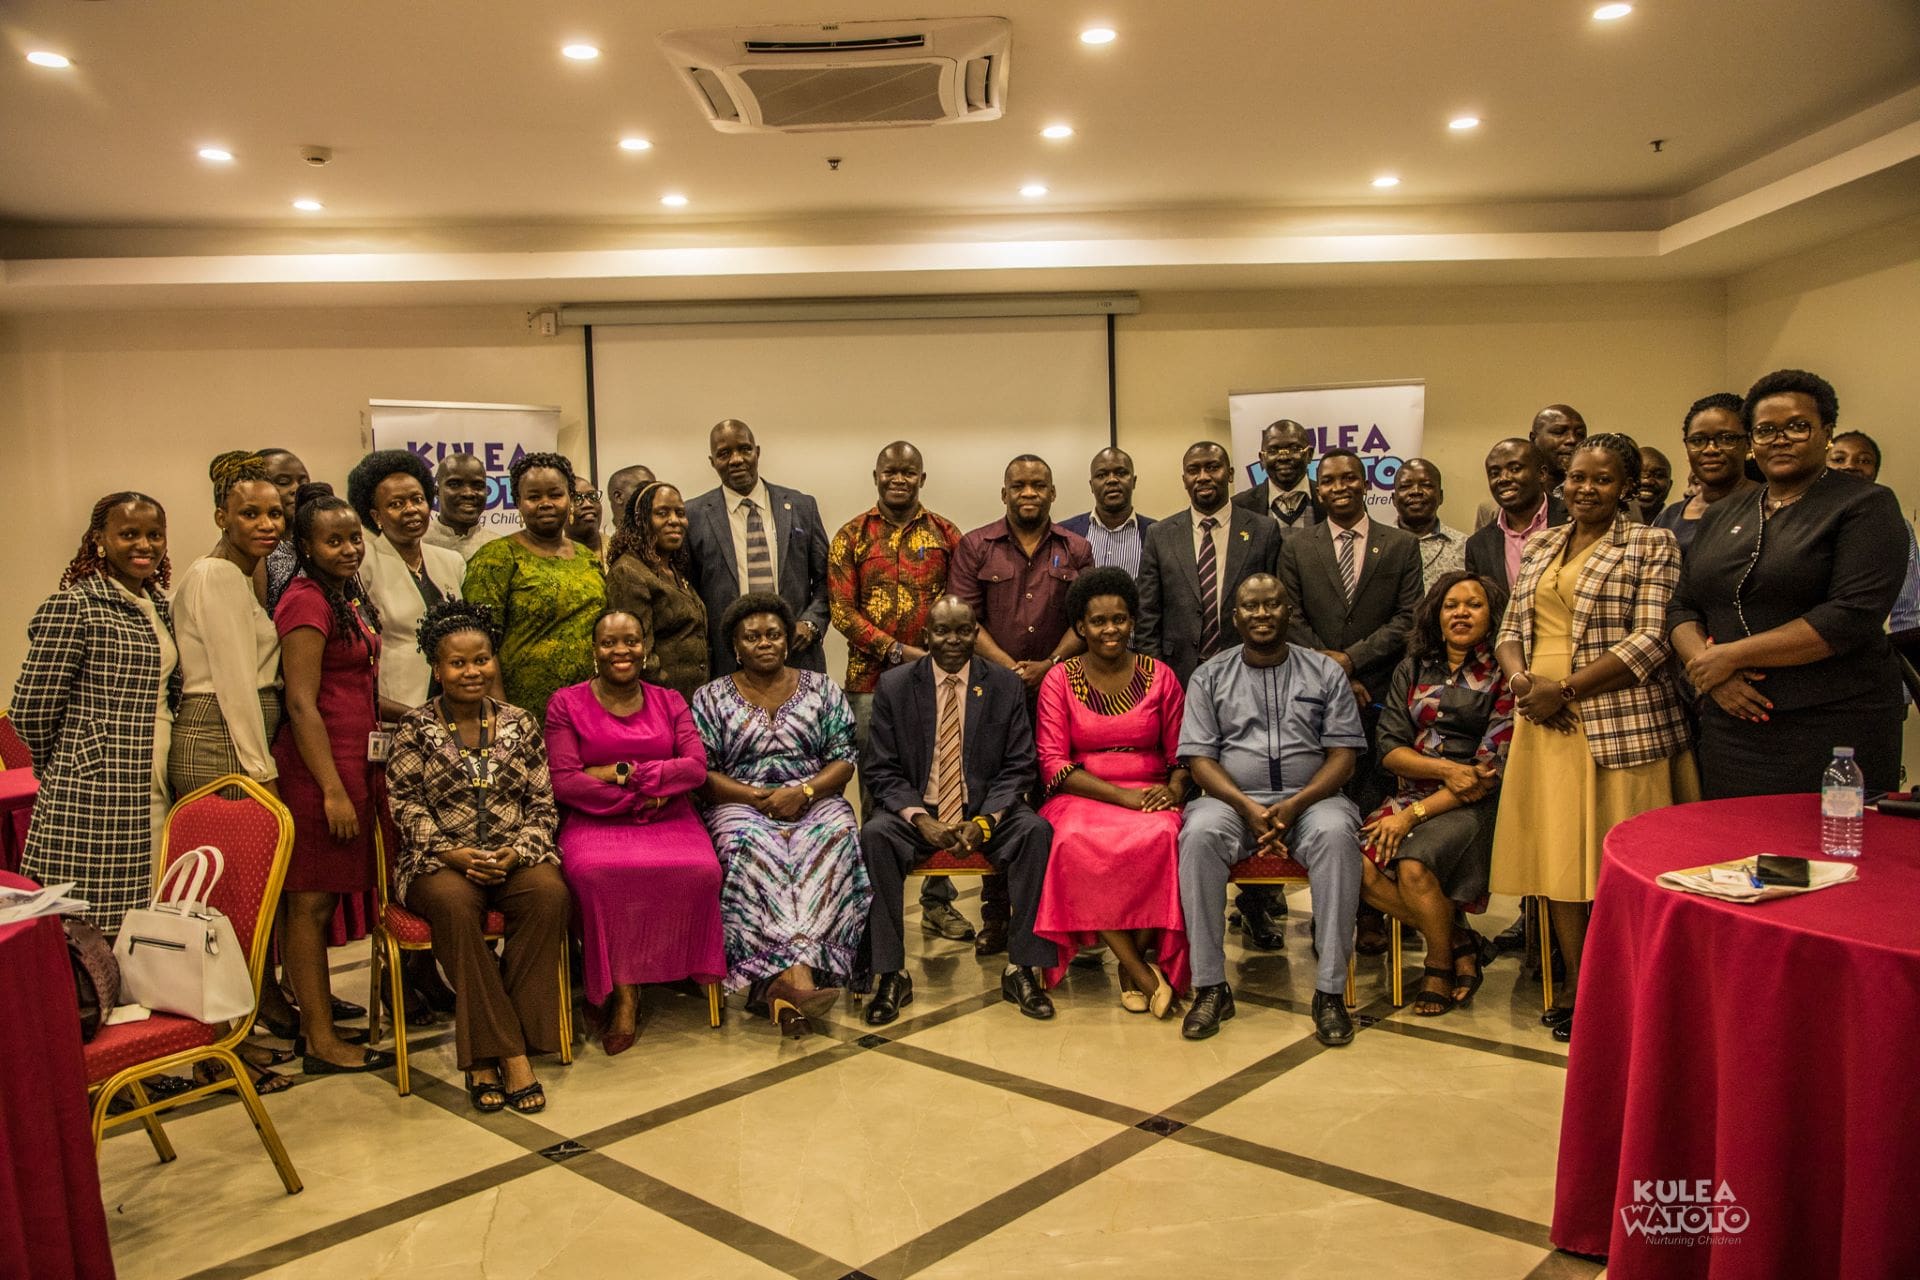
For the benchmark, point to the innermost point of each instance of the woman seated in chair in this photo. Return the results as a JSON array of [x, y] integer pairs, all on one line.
[[794, 894], [1106, 729], [626, 760], [1444, 730], [467, 777]]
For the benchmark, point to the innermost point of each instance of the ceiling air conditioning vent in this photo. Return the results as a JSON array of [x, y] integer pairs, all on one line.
[[845, 75]]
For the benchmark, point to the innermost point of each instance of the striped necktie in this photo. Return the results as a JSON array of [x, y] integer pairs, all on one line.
[[949, 770], [1288, 506], [1348, 567], [759, 554], [1209, 590]]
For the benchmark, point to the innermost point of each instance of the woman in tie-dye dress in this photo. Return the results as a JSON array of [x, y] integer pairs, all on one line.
[[780, 751]]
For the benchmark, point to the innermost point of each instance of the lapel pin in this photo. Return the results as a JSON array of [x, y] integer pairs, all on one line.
[[979, 692], [787, 505], [1245, 536], [1736, 529]]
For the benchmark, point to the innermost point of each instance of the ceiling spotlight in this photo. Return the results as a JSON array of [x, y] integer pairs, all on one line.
[[635, 144], [1611, 12], [42, 58], [1057, 131], [216, 155], [674, 200], [1097, 35], [1033, 191], [1460, 124], [579, 52], [308, 206], [1386, 180]]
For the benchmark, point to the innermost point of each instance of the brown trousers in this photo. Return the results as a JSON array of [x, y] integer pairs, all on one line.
[[511, 1006]]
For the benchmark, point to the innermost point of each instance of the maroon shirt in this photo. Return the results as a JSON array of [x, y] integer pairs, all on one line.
[[1020, 601]]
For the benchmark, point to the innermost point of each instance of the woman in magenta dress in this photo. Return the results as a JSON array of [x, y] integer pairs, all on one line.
[[626, 758], [1107, 727]]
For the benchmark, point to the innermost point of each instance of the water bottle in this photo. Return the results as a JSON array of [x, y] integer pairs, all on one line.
[[1843, 806]]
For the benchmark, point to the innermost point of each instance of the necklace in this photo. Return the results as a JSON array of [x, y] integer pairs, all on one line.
[[1762, 511], [1769, 504]]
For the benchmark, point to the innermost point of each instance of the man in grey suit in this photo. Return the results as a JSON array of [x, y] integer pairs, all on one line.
[[1287, 494], [748, 535], [1193, 561]]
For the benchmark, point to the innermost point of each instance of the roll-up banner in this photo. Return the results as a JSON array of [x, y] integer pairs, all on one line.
[[1383, 422], [496, 434]]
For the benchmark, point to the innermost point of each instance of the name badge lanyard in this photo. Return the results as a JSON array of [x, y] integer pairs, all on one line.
[[476, 763]]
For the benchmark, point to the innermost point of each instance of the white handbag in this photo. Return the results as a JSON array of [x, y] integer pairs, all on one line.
[[181, 956]]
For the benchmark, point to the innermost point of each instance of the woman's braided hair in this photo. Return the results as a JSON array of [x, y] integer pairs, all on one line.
[[310, 503], [451, 617], [235, 466], [88, 562], [533, 461], [636, 533]]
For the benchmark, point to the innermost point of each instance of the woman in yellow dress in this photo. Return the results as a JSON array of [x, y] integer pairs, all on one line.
[[1602, 734]]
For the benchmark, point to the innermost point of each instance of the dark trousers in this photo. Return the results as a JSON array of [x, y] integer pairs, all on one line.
[[1018, 851], [511, 1006]]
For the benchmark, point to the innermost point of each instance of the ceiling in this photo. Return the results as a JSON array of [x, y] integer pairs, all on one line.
[[1215, 145]]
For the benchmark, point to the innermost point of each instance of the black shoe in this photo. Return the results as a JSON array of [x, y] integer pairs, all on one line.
[[1556, 1015], [1263, 931], [992, 938], [1563, 1031], [1513, 937], [1021, 987], [892, 992], [1211, 1007], [1331, 1025], [371, 1060]]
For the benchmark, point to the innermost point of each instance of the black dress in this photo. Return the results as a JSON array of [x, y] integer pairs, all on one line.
[[1832, 559]]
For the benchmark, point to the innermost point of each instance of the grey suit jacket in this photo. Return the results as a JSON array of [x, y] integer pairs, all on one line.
[[1170, 616], [800, 542], [1373, 630]]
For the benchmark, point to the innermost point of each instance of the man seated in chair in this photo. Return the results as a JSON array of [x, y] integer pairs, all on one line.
[[949, 757], [1270, 735]]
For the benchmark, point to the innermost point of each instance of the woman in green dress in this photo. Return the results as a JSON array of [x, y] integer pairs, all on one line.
[[544, 589]]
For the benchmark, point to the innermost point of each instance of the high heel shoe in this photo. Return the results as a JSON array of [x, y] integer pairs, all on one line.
[[786, 1008], [1161, 1002]]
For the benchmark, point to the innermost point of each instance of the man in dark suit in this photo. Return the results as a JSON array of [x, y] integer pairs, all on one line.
[[1517, 476], [746, 536], [1194, 560], [949, 758], [1114, 530], [1556, 432], [1287, 494]]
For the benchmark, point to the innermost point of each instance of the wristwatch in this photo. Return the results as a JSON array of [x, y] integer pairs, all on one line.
[[1419, 811], [621, 773], [806, 789], [1568, 694]]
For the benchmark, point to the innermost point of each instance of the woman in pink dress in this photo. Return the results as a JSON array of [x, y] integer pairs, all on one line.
[[1106, 729], [625, 759]]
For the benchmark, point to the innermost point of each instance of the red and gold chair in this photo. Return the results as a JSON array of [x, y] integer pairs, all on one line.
[[1266, 868], [19, 788], [254, 834]]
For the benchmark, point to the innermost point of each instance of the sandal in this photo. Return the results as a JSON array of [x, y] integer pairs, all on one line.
[[530, 1101], [487, 1097], [1468, 949], [1431, 1004]]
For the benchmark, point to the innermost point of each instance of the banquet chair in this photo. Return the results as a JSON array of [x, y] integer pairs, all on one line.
[[13, 750], [1266, 868], [254, 834], [396, 929]]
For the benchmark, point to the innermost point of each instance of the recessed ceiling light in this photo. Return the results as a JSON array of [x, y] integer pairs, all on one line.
[[1386, 180], [1033, 191], [1097, 35], [217, 155], [42, 58], [308, 206], [1611, 12], [580, 52], [1057, 131], [1460, 124], [635, 144], [674, 200]]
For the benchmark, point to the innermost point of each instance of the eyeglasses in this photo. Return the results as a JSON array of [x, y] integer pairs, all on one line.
[[1793, 431], [1288, 448], [1725, 441], [587, 495]]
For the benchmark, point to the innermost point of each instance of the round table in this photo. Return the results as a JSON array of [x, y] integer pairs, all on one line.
[[51, 1220], [1741, 1097]]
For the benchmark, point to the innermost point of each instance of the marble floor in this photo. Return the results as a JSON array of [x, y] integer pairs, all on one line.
[[962, 1141]]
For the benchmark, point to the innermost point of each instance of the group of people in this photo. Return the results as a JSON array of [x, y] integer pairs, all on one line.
[[632, 737]]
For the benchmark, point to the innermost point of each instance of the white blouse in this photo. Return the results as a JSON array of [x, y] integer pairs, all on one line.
[[404, 671], [229, 648]]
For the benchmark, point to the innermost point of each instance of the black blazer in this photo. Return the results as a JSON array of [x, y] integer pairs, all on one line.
[[1487, 547], [1258, 501], [1373, 630], [1084, 521], [997, 745], [800, 554], [1168, 627]]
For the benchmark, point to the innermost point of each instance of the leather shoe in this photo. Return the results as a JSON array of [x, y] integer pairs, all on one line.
[[1563, 1031], [1022, 988], [1263, 932], [1331, 1025], [1558, 1014], [891, 993], [940, 920], [991, 940], [1514, 936], [1211, 1007]]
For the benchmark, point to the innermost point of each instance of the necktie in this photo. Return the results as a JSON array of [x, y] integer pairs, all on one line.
[[1348, 567], [1209, 590], [1287, 507], [759, 554], [949, 772]]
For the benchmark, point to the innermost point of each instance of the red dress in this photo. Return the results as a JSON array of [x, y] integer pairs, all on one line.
[[320, 863], [1111, 868]]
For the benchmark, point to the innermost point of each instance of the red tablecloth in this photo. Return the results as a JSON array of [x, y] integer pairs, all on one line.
[[1767, 1049], [18, 787], [51, 1219]]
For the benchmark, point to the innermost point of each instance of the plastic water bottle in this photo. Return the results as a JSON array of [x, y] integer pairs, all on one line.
[[1843, 806]]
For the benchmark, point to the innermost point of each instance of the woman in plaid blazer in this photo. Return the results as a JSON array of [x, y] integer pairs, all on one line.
[[1602, 734], [93, 703]]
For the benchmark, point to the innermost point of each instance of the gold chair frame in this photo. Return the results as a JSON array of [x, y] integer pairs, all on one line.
[[1348, 997]]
